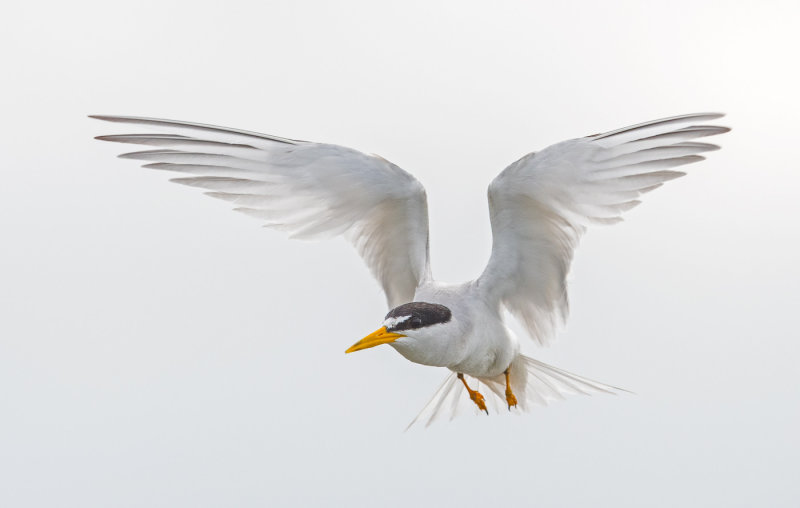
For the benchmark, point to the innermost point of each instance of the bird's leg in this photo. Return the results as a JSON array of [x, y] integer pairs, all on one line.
[[476, 397], [510, 398]]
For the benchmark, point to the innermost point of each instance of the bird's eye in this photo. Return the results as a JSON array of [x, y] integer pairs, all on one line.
[[416, 322]]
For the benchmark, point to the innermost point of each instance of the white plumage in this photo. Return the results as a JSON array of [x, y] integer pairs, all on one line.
[[539, 207]]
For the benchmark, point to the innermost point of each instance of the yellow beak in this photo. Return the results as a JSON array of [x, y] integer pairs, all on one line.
[[376, 338]]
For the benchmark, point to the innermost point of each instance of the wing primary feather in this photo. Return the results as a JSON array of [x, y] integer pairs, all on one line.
[[645, 182], [181, 157], [169, 140], [202, 169], [691, 132], [146, 155], [141, 138], [660, 123], [666, 139], [158, 122], [647, 166], [220, 183], [654, 153]]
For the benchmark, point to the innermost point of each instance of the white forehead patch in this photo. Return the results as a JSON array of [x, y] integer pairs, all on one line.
[[394, 321]]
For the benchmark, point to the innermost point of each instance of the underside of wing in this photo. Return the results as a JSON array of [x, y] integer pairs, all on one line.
[[541, 205], [309, 190]]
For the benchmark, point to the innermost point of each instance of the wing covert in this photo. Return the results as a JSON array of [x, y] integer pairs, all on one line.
[[541, 205], [309, 190]]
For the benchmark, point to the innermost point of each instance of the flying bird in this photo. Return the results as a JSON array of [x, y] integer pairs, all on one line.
[[539, 208]]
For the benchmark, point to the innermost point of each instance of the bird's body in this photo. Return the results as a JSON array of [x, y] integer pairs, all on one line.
[[539, 207], [477, 342]]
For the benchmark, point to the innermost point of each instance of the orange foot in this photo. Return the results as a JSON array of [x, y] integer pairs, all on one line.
[[510, 398], [478, 399], [474, 395]]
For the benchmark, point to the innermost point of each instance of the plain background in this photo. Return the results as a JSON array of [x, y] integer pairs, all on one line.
[[157, 350]]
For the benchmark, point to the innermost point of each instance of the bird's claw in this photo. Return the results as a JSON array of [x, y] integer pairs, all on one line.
[[478, 399], [510, 399]]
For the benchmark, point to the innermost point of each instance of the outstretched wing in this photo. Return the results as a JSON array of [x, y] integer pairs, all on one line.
[[541, 204], [307, 189]]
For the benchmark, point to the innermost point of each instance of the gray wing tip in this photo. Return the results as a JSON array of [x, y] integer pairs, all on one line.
[[158, 165], [188, 181], [147, 153], [714, 114], [691, 117], [692, 158], [163, 122], [706, 115], [110, 118], [137, 138], [110, 137], [706, 147], [719, 129]]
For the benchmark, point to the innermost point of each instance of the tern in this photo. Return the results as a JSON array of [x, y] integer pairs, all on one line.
[[539, 208]]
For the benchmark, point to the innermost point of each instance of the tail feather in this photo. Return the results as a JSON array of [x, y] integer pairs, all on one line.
[[533, 383], [433, 409]]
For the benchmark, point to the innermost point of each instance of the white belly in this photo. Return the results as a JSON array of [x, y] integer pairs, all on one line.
[[491, 350]]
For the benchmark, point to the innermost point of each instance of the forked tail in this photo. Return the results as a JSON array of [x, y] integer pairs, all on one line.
[[533, 383]]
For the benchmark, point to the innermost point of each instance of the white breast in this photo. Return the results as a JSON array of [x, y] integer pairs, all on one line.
[[475, 341]]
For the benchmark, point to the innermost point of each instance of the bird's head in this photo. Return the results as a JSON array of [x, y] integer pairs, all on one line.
[[410, 322]]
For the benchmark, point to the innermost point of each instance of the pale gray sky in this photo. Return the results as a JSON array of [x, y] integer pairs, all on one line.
[[158, 350]]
